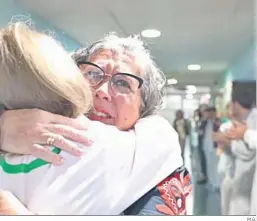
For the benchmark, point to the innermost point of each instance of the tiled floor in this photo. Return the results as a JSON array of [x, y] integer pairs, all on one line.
[[203, 201]]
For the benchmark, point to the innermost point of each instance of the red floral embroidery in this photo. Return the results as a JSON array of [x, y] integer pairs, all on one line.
[[174, 190]]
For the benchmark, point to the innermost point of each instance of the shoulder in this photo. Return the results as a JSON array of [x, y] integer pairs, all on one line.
[[155, 123], [252, 115], [157, 136], [153, 118]]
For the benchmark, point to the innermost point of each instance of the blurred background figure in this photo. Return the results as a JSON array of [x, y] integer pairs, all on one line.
[[212, 125], [182, 126], [226, 165], [243, 109], [201, 152], [249, 136], [194, 123]]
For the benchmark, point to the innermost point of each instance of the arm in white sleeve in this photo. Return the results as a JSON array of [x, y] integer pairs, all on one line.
[[117, 171], [250, 137], [241, 150]]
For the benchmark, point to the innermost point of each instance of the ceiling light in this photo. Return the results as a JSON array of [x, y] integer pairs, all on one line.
[[151, 33], [194, 67], [172, 81], [189, 96], [191, 89]]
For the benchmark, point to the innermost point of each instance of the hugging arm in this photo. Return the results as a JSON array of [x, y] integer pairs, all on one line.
[[153, 137], [119, 170], [26, 132], [242, 150]]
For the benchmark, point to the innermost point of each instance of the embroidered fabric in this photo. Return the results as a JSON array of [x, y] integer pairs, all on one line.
[[174, 191], [167, 198]]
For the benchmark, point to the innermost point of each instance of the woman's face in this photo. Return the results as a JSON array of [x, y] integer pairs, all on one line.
[[112, 107]]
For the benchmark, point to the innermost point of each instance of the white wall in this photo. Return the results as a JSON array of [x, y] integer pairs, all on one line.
[[176, 102]]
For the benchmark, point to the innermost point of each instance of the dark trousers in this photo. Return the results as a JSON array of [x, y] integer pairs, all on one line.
[[182, 142], [202, 157]]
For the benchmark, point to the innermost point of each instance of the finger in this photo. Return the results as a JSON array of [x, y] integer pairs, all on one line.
[[230, 135], [67, 145], [234, 124], [78, 123], [232, 131], [70, 133], [46, 154], [64, 144], [227, 134], [214, 134]]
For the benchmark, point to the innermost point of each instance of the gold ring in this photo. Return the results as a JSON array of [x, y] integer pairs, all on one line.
[[50, 140]]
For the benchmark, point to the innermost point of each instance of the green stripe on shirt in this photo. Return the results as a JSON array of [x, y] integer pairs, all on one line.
[[23, 167]]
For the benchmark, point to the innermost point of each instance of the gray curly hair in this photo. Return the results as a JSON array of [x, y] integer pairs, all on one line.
[[154, 79]]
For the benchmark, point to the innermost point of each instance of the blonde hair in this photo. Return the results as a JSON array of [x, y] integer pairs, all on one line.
[[36, 72]]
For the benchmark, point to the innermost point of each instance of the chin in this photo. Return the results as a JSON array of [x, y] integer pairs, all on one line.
[[125, 127]]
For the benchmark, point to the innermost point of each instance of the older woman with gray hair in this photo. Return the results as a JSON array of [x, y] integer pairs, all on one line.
[[127, 86]]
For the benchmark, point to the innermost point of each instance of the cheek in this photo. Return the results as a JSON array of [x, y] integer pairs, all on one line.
[[127, 106], [128, 110]]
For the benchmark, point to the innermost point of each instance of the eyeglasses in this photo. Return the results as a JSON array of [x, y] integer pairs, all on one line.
[[123, 83]]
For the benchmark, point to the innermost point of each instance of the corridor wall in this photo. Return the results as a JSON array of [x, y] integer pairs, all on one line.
[[243, 69], [11, 11]]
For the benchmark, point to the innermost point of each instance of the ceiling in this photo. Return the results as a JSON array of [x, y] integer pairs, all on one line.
[[210, 33]]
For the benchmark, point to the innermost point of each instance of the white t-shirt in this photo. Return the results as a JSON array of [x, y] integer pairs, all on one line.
[[119, 168]]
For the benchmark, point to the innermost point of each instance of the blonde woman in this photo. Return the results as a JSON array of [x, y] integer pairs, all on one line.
[[36, 72]]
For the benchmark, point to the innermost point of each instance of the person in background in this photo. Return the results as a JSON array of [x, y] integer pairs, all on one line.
[[181, 125], [241, 132], [244, 181], [194, 143], [212, 125], [226, 165], [203, 114], [193, 131], [245, 176]]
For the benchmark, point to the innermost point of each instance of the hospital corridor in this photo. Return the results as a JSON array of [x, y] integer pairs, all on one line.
[[128, 108]]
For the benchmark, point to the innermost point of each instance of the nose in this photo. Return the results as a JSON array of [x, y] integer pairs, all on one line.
[[102, 92], [108, 68]]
